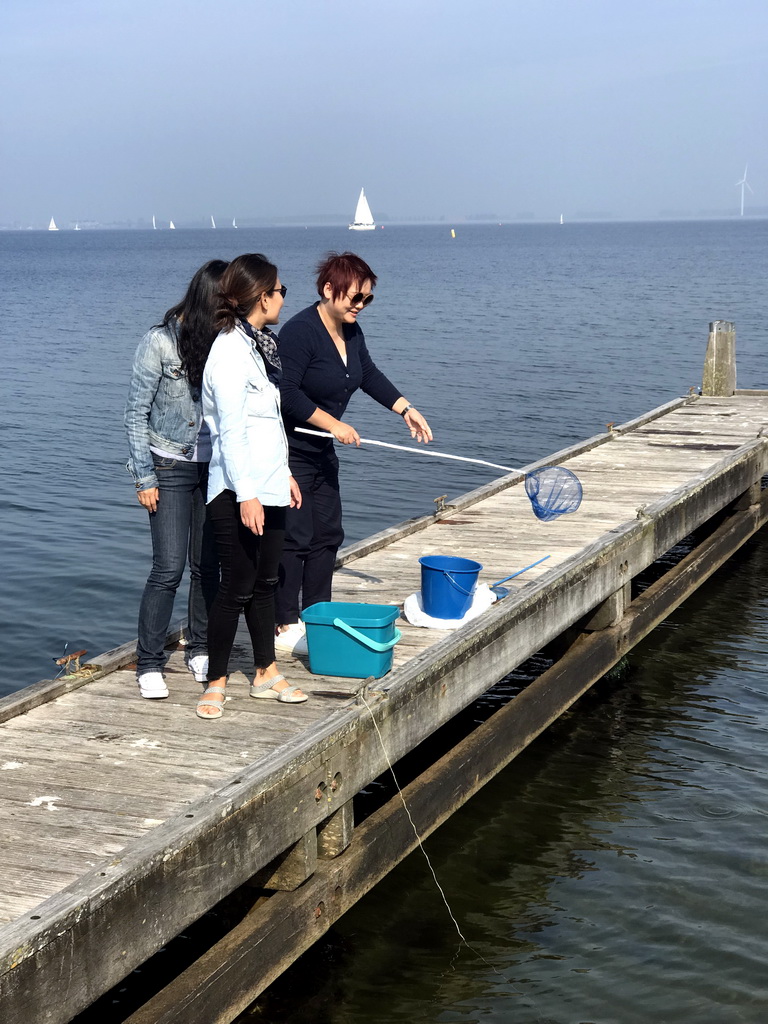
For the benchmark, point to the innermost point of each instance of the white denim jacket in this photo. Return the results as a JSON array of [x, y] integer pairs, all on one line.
[[242, 409]]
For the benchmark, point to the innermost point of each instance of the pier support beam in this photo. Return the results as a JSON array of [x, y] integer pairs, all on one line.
[[335, 833], [750, 497], [611, 610], [292, 868], [720, 360]]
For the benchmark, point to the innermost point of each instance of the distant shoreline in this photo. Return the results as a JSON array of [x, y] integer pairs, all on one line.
[[463, 222]]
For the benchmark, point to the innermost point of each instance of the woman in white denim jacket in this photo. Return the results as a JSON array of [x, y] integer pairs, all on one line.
[[169, 453], [250, 486]]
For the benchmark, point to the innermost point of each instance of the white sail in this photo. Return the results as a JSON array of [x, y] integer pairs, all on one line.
[[234, 223], [561, 218], [77, 226], [363, 217], [172, 226], [154, 223], [213, 222], [52, 225]]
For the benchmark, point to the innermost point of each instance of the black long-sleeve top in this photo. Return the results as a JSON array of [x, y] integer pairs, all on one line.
[[315, 377]]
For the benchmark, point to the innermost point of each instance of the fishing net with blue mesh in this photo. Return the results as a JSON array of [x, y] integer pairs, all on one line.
[[553, 491]]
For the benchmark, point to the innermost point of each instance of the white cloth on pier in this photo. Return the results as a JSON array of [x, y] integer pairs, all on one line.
[[413, 609]]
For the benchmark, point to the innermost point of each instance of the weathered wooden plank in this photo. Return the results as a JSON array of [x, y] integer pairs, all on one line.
[[95, 836], [31, 749], [69, 800], [168, 717], [113, 779]]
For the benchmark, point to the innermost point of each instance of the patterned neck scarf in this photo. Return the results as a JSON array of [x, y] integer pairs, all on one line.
[[265, 342]]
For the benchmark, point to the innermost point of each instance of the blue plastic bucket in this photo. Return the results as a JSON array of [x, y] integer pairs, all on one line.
[[353, 640], [448, 585]]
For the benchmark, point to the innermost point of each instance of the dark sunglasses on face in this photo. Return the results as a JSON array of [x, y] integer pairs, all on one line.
[[282, 289], [358, 299]]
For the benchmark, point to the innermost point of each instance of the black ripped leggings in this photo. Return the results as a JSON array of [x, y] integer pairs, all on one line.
[[249, 565]]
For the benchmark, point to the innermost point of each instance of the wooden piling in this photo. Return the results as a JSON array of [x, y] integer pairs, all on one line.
[[720, 360]]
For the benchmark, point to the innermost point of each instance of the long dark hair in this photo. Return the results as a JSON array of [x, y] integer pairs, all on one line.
[[246, 278], [193, 320]]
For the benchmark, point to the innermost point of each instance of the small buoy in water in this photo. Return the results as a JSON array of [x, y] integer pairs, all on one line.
[[453, 233]]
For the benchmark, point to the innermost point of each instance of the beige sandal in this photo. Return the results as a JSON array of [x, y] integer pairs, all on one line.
[[210, 703], [267, 691]]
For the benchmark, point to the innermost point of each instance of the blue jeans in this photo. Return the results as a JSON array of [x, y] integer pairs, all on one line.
[[179, 533]]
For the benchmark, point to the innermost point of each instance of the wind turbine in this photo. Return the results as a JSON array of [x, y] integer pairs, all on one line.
[[744, 182]]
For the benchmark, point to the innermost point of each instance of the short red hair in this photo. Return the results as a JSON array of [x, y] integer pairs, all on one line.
[[342, 270]]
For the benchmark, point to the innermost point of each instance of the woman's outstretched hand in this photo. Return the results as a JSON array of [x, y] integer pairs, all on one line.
[[345, 434], [295, 493], [418, 426], [252, 515], [148, 498]]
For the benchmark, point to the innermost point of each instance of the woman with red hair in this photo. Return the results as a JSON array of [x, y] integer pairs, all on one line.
[[325, 360]]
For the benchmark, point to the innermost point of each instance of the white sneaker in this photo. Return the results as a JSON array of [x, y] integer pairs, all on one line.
[[292, 640], [198, 666], [152, 685]]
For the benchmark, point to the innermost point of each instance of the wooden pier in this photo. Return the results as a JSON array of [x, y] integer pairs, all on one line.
[[123, 820]]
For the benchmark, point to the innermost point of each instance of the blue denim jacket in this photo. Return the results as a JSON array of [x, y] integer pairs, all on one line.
[[162, 409]]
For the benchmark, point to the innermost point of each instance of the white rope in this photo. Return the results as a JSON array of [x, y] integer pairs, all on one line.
[[459, 932], [416, 451], [418, 839]]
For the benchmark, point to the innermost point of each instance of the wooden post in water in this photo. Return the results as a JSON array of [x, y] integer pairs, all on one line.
[[720, 360]]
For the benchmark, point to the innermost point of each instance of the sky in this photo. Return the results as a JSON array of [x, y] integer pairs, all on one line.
[[118, 109]]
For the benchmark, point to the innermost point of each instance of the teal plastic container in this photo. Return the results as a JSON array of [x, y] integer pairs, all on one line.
[[352, 640], [448, 585]]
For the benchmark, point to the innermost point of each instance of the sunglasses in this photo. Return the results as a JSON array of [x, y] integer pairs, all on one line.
[[358, 299], [282, 289]]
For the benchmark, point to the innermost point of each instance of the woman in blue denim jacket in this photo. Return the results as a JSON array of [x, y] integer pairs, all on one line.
[[170, 450]]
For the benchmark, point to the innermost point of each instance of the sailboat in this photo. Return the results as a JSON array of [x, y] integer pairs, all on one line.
[[234, 222], [77, 226], [172, 226], [561, 218], [52, 225], [213, 222], [154, 223], [363, 217]]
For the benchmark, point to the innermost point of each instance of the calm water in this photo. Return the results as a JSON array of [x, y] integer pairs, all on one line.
[[613, 873]]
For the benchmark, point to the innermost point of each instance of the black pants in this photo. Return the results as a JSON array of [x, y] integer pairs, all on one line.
[[313, 534], [249, 567]]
